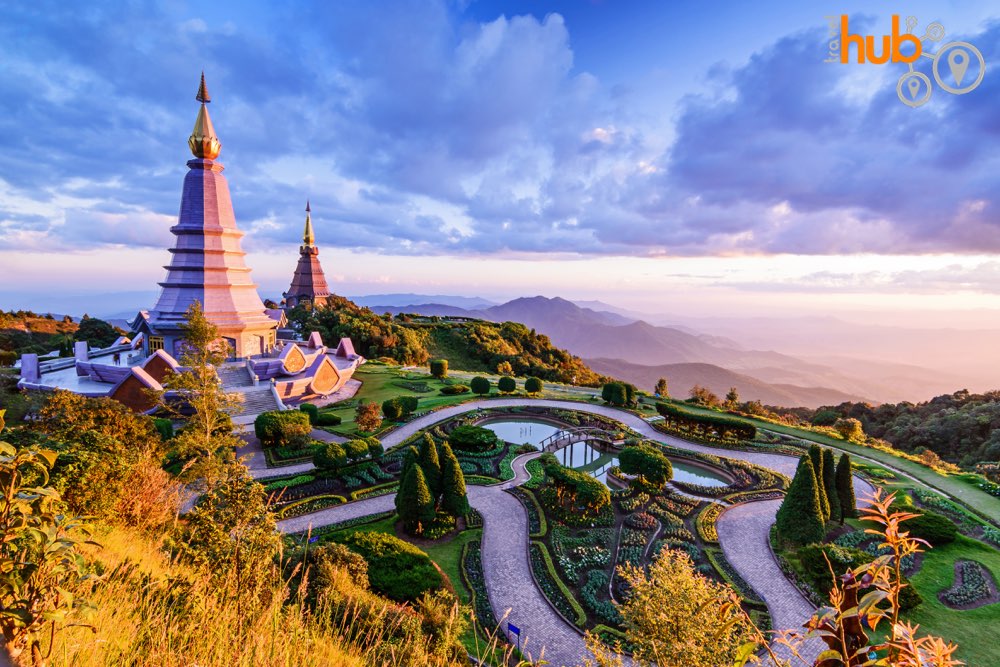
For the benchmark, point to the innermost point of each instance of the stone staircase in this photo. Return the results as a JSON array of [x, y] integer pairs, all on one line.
[[258, 400], [234, 377]]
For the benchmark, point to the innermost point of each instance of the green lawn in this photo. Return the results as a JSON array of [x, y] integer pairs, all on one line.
[[960, 487], [971, 629]]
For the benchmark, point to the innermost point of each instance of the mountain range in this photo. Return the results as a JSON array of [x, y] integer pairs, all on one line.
[[614, 342]]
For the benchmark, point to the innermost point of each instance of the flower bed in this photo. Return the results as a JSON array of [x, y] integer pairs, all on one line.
[[308, 505], [553, 588], [472, 575], [971, 587], [322, 531], [285, 483], [705, 523], [591, 592], [537, 526], [641, 521], [584, 551]]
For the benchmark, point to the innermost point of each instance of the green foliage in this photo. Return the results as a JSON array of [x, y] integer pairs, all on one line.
[[39, 551], [97, 333], [472, 438], [392, 409], [331, 456], [648, 462], [430, 464], [439, 368], [800, 519], [231, 534], [373, 336], [356, 449], [850, 429], [375, 448], [830, 484], [164, 427], [615, 393], [679, 419], [931, 526], [480, 385], [576, 491], [279, 428], [816, 455], [533, 385], [312, 411], [396, 569], [328, 419], [454, 499], [414, 502], [660, 389], [845, 489], [506, 385], [454, 389]]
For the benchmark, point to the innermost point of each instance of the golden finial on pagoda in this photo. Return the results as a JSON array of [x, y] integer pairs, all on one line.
[[203, 142], [308, 237]]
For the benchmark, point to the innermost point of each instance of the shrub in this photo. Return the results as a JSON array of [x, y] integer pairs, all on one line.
[[396, 569], [331, 456], [933, 527], [164, 427], [506, 385], [356, 449], [439, 368], [368, 417], [533, 385], [312, 411], [328, 419], [480, 385], [472, 438], [392, 409], [800, 517], [646, 461], [281, 427], [453, 389], [375, 448]]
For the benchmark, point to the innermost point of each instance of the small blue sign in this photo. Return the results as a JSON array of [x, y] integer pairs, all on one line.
[[513, 628]]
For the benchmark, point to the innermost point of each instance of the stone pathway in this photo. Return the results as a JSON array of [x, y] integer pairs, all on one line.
[[743, 534]]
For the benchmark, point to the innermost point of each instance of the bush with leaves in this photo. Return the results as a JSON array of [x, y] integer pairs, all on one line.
[[506, 385], [472, 438], [396, 568], [455, 389], [439, 368], [312, 411], [280, 428], [533, 385], [480, 385]]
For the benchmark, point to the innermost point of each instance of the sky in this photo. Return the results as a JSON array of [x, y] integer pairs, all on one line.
[[665, 157]]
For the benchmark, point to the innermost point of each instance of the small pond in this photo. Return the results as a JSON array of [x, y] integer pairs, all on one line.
[[583, 456]]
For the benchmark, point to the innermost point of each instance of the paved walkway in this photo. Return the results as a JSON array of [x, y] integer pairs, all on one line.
[[743, 534]]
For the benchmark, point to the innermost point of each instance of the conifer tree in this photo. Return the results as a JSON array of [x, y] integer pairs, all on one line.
[[431, 465], [414, 503], [454, 499], [830, 484], [816, 455], [845, 489], [799, 518]]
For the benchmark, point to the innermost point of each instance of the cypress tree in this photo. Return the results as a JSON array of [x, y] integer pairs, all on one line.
[[454, 499], [845, 489], [800, 519], [816, 455], [830, 484], [431, 465], [414, 503]]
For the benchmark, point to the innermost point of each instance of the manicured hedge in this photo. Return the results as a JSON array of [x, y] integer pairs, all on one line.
[[397, 569], [537, 526], [677, 418], [472, 439], [328, 419], [454, 389], [705, 523], [372, 491], [309, 505], [279, 428]]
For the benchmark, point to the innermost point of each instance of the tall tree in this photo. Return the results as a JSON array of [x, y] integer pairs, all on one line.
[[732, 398], [454, 497], [830, 484], [661, 388], [845, 489], [816, 454], [431, 465], [800, 519], [206, 439], [414, 503], [676, 616]]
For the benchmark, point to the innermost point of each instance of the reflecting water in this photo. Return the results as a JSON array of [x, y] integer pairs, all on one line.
[[583, 456]]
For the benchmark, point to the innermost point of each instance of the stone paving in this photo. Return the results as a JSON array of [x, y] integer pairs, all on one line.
[[743, 535]]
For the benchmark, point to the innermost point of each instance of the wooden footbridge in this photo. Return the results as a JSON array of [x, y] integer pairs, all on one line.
[[569, 436]]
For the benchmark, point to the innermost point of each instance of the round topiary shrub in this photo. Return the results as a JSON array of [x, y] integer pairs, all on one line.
[[396, 568], [506, 385], [480, 385], [472, 438]]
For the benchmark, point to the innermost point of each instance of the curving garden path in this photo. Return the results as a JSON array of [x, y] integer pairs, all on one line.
[[743, 534]]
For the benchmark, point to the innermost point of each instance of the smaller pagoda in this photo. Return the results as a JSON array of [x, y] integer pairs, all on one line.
[[308, 283]]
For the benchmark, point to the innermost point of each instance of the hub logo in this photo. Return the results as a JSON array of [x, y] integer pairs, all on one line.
[[914, 88]]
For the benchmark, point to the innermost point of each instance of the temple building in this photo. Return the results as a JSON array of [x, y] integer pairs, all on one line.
[[208, 266], [308, 283], [207, 261]]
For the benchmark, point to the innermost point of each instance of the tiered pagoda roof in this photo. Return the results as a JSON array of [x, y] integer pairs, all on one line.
[[308, 283]]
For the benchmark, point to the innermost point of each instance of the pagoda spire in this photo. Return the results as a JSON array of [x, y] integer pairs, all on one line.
[[203, 142], [308, 237]]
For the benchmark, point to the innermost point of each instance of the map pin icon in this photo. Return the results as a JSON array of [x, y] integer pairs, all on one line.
[[958, 62], [914, 86]]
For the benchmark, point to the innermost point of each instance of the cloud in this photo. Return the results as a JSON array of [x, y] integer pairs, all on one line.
[[420, 131]]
